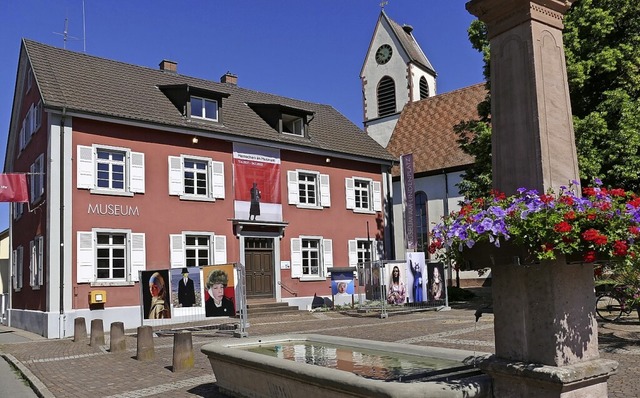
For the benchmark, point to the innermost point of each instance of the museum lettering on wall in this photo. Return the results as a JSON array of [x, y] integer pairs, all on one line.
[[111, 209]]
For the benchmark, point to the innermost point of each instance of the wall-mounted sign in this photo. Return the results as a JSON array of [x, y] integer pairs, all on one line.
[[111, 209]]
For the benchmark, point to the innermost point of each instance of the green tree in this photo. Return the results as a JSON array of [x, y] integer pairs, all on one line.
[[602, 47]]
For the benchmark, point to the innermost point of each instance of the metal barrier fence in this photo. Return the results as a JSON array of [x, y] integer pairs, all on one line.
[[401, 285], [3, 308]]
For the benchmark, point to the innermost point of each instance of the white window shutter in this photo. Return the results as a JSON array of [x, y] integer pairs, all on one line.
[[86, 179], [220, 249], [217, 179], [292, 185], [14, 269], [296, 257], [20, 267], [353, 253], [377, 196], [175, 176], [38, 117], [21, 138], [325, 190], [138, 255], [85, 258], [177, 250], [32, 263], [32, 185], [40, 171], [350, 193], [136, 172], [40, 280], [327, 255]]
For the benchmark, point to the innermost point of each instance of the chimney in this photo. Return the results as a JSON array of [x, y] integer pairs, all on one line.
[[229, 78], [168, 66]]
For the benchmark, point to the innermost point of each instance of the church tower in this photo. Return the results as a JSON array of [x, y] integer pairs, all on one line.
[[395, 71]]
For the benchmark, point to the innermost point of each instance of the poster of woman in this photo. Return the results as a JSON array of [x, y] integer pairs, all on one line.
[[396, 286], [416, 280], [154, 287], [436, 290], [219, 293]]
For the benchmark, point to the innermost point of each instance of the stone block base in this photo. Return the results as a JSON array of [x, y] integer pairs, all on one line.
[[586, 379]]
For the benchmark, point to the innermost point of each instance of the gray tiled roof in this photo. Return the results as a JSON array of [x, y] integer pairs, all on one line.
[[91, 85], [409, 44]]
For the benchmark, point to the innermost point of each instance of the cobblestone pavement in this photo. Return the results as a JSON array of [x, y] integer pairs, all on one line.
[[62, 368]]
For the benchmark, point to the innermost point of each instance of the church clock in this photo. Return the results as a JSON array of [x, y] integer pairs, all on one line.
[[383, 55]]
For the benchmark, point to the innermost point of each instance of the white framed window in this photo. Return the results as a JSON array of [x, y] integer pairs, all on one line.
[[308, 188], [310, 257], [110, 170], [36, 263], [16, 268], [18, 209], [196, 249], [293, 125], [110, 256], [363, 250], [203, 108], [30, 124], [363, 194], [196, 178], [36, 179]]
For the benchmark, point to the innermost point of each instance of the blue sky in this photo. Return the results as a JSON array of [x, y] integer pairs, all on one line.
[[306, 49]]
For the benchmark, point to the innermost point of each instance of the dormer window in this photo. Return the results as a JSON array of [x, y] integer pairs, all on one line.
[[293, 125], [203, 108]]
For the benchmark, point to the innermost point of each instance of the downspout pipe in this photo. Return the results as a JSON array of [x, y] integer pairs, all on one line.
[[62, 248]]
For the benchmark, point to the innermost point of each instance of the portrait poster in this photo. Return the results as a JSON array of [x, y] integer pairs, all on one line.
[[416, 277], [436, 283], [186, 291], [155, 294], [396, 282], [219, 291], [342, 283], [256, 182]]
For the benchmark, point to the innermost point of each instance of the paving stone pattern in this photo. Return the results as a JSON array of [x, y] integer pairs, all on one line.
[[69, 369]]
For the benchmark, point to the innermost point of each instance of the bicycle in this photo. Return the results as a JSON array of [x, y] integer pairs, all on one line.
[[611, 304]]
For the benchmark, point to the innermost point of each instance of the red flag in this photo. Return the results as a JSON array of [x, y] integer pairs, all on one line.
[[13, 188]]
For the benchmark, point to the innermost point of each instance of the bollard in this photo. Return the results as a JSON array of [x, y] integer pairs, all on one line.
[[79, 330], [117, 341], [145, 343], [97, 333], [182, 351]]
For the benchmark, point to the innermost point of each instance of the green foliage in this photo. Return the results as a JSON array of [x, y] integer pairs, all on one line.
[[602, 48]]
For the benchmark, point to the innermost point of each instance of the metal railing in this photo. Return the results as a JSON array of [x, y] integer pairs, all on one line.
[[288, 289]]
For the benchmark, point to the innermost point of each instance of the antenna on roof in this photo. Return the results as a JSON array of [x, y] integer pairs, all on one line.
[[84, 30], [65, 33]]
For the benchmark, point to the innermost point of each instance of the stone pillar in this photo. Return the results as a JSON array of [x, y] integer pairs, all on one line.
[[145, 348], [117, 341], [533, 144], [97, 333], [545, 329], [79, 330], [182, 351]]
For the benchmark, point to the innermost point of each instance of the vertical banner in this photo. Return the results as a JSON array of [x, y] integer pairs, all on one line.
[[186, 287], [396, 284], [13, 188], [416, 277], [409, 201], [342, 283], [256, 180], [219, 290]]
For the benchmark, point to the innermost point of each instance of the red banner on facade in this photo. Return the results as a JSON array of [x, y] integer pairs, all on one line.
[[13, 188]]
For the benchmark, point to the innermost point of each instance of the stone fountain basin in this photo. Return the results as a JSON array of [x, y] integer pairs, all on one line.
[[242, 373]]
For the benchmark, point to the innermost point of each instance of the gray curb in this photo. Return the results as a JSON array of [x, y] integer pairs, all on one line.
[[38, 387]]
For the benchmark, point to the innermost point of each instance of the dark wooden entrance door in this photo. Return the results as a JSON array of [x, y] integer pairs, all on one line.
[[259, 267]]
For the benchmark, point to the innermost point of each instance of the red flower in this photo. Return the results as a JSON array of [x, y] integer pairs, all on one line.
[[547, 247], [589, 256], [618, 192], [562, 227], [570, 215], [546, 198], [604, 206], [634, 203], [568, 200], [591, 217], [634, 230], [588, 191], [600, 240], [498, 195], [620, 248], [435, 245], [590, 234]]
